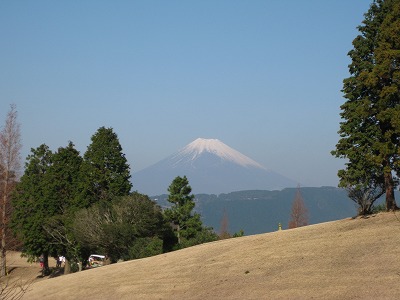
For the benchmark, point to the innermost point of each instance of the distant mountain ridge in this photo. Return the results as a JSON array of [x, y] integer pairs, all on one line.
[[211, 167], [259, 211]]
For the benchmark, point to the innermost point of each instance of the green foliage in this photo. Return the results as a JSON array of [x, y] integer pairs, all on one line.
[[145, 247], [240, 233], [378, 208], [202, 235], [62, 178], [105, 172], [266, 209], [364, 196], [88, 227], [45, 201], [74, 267], [188, 226], [370, 130], [31, 206], [118, 229], [57, 185], [69, 205]]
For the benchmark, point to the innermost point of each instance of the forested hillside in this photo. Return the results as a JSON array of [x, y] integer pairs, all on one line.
[[261, 211]]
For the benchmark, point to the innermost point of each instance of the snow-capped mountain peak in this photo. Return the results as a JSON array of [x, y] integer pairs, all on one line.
[[211, 167], [216, 147]]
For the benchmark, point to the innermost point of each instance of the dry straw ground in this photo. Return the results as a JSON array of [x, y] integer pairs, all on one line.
[[347, 259]]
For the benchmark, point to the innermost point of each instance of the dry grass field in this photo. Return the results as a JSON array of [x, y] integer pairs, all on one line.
[[347, 259]]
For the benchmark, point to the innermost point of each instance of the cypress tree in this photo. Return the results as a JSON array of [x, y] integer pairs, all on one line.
[[105, 172], [32, 207], [370, 130]]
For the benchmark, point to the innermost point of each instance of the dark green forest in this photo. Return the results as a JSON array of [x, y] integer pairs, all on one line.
[[69, 205]]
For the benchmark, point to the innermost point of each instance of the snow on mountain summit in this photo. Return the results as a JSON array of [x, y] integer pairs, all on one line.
[[211, 167], [216, 147]]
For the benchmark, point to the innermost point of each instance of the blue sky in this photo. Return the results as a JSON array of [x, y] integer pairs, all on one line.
[[264, 77]]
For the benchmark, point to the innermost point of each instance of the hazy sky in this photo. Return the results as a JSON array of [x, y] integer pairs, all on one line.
[[264, 77]]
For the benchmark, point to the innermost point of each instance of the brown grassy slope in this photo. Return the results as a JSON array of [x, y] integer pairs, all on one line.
[[346, 259], [20, 275]]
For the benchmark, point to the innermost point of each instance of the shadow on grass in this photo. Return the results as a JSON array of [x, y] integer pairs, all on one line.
[[51, 272]]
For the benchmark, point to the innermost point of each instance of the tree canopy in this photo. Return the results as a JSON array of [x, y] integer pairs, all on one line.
[[188, 225], [56, 185], [370, 130], [45, 200], [63, 177], [62, 181], [72, 205], [105, 172], [128, 227], [32, 207]]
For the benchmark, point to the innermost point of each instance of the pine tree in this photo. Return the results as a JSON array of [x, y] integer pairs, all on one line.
[[105, 172], [188, 225], [370, 130]]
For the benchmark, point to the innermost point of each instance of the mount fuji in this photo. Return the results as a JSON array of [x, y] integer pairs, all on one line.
[[211, 168]]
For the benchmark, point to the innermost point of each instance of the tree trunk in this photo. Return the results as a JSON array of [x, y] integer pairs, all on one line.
[[390, 198], [46, 268], [67, 267], [179, 234], [9, 161], [3, 253]]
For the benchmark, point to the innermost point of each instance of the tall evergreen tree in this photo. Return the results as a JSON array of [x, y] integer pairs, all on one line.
[[32, 207], [188, 225], [370, 132], [62, 179], [105, 172]]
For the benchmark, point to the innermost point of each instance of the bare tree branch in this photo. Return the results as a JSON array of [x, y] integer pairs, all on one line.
[[299, 214], [10, 146]]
